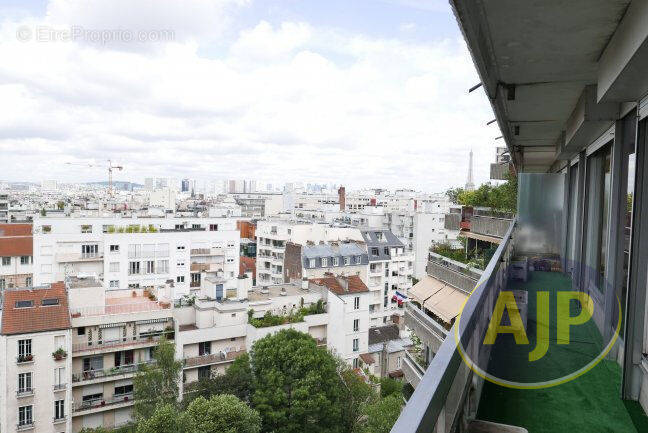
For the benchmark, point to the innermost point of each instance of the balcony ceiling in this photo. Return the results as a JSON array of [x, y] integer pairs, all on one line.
[[548, 49]]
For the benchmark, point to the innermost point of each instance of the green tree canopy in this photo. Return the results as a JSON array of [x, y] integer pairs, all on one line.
[[356, 394], [381, 415], [296, 385], [237, 381], [389, 386], [165, 419], [498, 197], [157, 383], [223, 413]]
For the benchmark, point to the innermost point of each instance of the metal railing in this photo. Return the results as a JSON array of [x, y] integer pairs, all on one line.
[[213, 358], [441, 398], [115, 371], [456, 276], [93, 404], [121, 342]]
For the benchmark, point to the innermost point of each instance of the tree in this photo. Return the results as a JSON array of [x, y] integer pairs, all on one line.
[[165, 419], [356, 394], [296, 385], [389, 386], [381, 415], [60, 205], [237, 381], [453, 194], [157, 383], [221, 413]]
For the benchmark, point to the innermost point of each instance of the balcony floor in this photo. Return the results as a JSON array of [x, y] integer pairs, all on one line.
[[589, 403]]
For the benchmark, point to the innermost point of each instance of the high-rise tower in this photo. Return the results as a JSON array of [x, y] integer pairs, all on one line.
[[470, 184]]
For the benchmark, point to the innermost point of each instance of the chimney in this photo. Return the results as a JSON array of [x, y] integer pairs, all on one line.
[[342, 198]]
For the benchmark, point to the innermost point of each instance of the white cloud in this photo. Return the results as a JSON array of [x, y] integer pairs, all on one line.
[[287, 102]]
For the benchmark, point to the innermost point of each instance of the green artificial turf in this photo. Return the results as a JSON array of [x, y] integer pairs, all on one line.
[[587, 404]]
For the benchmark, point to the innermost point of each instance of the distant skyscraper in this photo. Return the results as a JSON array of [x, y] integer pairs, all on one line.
[[185, 185], [470, 183]]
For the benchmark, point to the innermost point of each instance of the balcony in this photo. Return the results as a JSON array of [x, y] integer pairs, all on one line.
[[142, 341], [453, 273], [490, 225], [78, 257], [213, 358], [25, 392], [412, 370], [83, 407], [97, 375], [25, 359]]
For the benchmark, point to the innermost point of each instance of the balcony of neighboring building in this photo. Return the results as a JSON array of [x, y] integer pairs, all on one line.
[[221, 357], [78, 257], [101, 404], [91, 376]]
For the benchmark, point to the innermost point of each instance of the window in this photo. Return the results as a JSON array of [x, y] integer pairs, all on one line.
[[356, 363], [94, 363], [347, 261], [204, 372], [81, 330], [24, 383], [180, 279], [114, 284], [358, 260], [46, 269], [123, 390], [386, 251], [59, 377], [134, 251], [25, 260], [28, 281], [89, 250], [213, 227], [24, 304], [25, 416], [150, 266], [324, 262], [86, 228], [114, 267], [114, 248], [398, 362], [180, 247], [204, 348], [375, 252], [133, 268], [46, 229], [59, 409], [356, 344], [3, 284], [6, 261], [356, 325], [180, 264], [385, 301], [356, 303], [49, 302], [336, 261], [311, 263], [162, 266]]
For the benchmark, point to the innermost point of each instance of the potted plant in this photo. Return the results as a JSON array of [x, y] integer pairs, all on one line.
[[59, 354], [134, 294]]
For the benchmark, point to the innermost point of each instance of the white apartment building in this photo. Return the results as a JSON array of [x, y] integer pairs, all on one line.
[[112, 333], [273, 234], [4, 208], [348, 300], [132, 253], [16, 260], [390, 274], [35, 390]]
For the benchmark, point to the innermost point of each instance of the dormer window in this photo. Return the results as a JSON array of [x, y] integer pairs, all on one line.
[[49, 302], [24, 304]]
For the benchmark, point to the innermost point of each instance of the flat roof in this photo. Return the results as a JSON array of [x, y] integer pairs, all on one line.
[[255, 294]]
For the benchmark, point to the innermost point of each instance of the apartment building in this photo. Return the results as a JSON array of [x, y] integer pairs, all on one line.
[[272, 236], [574, 121], [16, 256], [112, 334], [386, 351], [390, 274], [348, 299], [132, 253], [35, 390], [4, 208], [317, 260]]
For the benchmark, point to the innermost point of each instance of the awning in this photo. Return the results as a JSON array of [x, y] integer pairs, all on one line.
[[480, 237], [424, 289], [446, 303], [148, 321]]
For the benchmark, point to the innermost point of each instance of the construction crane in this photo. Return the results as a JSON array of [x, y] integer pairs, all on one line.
[[110, 171]]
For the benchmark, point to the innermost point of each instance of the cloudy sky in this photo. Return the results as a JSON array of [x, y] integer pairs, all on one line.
[[364, 93]]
